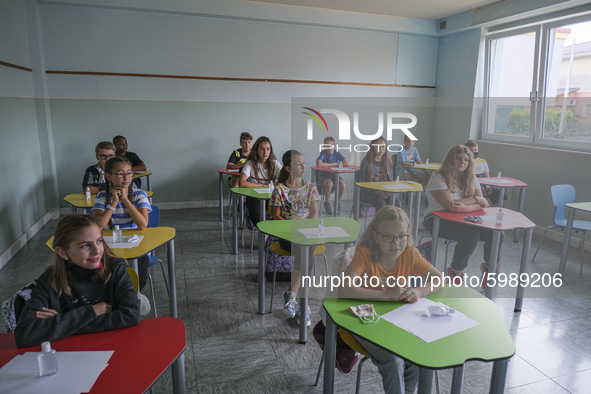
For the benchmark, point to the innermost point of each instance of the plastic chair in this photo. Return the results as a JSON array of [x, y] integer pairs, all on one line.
[[562, 195], [153, 221], [320, 187], [361, 203], [134, 278], [447, 241], [275, 247]]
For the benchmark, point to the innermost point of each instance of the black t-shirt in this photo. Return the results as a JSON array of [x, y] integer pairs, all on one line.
[[133, 158], [237, 157]]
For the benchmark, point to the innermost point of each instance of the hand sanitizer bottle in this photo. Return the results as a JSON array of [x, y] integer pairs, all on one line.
[[427, 162], [321, 228], [47, 360], [117, 235], [499, 219], [271, 187], [397, 181], [499, 177], [340, 165], [87, 194]]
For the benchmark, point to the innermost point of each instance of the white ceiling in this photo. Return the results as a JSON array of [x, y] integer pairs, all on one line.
[[424, 9]]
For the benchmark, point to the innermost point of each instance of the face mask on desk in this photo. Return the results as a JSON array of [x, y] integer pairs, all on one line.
[[366, 313]]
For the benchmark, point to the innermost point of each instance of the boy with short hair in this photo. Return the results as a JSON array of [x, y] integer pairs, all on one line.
[[491, 193], [137, 164], [239, 157], [328, 158], [94, 177]]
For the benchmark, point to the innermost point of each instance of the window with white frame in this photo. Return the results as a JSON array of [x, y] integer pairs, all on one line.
[[538, 85]]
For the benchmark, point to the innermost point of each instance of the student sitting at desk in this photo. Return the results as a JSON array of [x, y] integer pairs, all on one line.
[[122, 204], [328, 158], [137, 165], [86, 289], [94, 177], [386, 251], [261, 168], [292, 199], [410, 153], [239, 157], [377, 167], [491, 193]]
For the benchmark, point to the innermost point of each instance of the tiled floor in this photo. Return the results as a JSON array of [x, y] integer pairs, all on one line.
[[231, 349]]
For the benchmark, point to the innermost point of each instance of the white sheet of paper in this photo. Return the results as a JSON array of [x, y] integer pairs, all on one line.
[[412, 318], [342, 169], [399, 187], [78, 371], [493, 218], [498, 181], [431, 165], [329, 232], [236, 170], [263, 191], [125, 244]]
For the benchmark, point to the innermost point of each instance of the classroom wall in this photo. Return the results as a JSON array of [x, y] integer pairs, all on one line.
[[185, 129], [22, 196]]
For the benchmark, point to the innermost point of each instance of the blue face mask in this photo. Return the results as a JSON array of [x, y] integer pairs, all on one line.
[[475, 155]]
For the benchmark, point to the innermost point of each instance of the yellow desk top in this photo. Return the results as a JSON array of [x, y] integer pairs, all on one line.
[[430, 166], [79, 199], [405, 186], [145, 173], [154, 237]]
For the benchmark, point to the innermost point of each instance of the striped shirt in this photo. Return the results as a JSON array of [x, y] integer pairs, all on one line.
[[120, 217]]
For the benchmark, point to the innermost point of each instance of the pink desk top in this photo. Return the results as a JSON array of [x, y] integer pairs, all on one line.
[[505, 182], [235, 171], [511, 219]]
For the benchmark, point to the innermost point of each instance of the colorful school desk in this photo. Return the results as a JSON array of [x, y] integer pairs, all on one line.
[[153, 238], [78, 200], [221, 173], [262, 197], [425, 167], [335, 170], [148, 175], [413, 188], [511, 220], [570, 218], [141, 354], [502, 184], [488, 341], [289, 231]]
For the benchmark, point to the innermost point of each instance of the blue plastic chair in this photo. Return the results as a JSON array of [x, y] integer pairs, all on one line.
[[153, 221], [562, 195], [447, 241]]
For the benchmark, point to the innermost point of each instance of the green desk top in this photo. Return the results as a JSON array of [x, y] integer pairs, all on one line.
[[488, 341], [249, 192], [288, 230], [416, 187], [581, 206]]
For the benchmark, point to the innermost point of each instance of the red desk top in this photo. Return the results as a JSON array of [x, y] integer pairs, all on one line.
[[511, 219], [336, 169], [493, 180], [142, 353], [235, 171]]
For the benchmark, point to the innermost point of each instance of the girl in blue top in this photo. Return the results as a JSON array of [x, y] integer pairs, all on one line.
[[122, 204], [377, 167], [328, 158]]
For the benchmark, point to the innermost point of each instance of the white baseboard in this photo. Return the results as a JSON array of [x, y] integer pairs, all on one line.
[[21, 241], [558, 236]]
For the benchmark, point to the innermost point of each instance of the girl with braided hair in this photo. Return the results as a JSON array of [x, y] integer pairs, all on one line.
[[122, 204]]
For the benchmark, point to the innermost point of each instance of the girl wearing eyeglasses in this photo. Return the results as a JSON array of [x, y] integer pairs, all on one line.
[[122, 204], [386, 267]]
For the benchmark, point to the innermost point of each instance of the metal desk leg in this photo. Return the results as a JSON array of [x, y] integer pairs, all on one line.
[[417, 215], [304, 250], [330, 353], [149, 182], [457, 380], [221, 196], [356, 201], [501, 197], [261, 258], [178, 375], [411, 206], [520, 209], [235, 229], [434, 239], [172, 277], [134, 264], [523, 268], [566, 241], [499, 375], [494, 257], [425, 381], [336, 196]]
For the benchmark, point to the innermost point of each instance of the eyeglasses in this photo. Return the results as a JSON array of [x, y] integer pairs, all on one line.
[[389, 238], [122, 175], [106, 157]]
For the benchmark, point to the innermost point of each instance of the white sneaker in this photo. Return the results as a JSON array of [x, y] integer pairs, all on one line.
[[290, 303]]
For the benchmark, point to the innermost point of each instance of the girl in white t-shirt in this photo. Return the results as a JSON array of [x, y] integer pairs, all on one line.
[[455, 188], [260, 169]]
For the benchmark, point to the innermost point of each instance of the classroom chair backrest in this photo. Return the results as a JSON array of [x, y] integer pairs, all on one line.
[[134, 278], [339, 264], [154, 217], [562, 195]]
